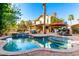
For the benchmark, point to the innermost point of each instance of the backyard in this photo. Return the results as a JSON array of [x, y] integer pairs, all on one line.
[[44, 35]]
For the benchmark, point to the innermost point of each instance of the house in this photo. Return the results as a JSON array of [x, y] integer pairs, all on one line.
[[40, 20], [51, 22]]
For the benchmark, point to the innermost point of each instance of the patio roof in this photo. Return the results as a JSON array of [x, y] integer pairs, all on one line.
[[53, 24], [58, 24]]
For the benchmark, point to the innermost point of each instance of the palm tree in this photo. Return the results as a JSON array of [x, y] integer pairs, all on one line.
[[44, 6], [70, 18]]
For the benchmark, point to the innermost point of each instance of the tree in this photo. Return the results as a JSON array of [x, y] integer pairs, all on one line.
[[54, 19], [8, 17], [70, 18], [24, 26], [44, 7], [29, 25]]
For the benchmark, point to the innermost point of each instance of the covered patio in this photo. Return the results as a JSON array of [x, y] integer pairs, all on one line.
[[48, 27]]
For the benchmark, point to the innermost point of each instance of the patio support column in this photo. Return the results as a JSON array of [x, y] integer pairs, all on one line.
[[50, 28], [70, 29], [44, 29]]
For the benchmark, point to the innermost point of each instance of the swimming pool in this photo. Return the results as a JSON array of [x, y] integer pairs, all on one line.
[[29, 43]]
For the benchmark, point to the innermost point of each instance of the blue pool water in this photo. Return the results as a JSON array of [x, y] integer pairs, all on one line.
[[20, 44], [29, 43]]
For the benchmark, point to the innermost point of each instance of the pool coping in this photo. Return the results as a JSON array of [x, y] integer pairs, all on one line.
[[4, 37]]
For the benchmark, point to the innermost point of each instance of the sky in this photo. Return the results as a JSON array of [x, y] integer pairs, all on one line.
[[31, 11]]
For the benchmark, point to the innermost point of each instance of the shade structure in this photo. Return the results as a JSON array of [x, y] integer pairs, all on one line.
[[53, 24], [58, 24]]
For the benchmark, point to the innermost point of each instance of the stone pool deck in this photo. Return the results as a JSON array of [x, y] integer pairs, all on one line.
[[50, 53], [46, 53]]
